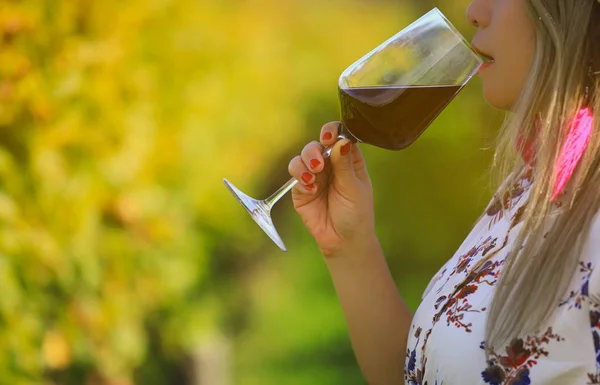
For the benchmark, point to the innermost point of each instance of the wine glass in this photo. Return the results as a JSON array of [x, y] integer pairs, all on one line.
[[391, 95]]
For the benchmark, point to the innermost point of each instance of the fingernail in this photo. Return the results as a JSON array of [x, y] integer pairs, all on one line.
[[310, 187], [306, 177], [314, 163], [327, 136], [345, 149]]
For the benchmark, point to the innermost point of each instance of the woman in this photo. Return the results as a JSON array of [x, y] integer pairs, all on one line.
[[519, 302]]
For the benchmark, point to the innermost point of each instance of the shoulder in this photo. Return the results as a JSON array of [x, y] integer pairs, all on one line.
[[494, 224]]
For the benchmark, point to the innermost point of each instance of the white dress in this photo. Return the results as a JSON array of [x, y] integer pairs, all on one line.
[[445, 345]]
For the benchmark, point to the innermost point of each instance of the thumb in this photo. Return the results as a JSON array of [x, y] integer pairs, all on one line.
[[342, 164]]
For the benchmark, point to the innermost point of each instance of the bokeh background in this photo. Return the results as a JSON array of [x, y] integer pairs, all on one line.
[[123, 258]]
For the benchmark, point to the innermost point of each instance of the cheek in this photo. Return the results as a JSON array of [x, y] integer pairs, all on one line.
[[512, 41], [503, 82]]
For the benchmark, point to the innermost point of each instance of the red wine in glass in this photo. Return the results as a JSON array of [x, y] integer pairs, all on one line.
[[392, 117]]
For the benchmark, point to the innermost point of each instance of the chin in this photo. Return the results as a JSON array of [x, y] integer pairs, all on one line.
[[498, 99]]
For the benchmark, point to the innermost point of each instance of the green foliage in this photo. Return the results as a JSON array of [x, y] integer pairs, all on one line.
[[120, 249]]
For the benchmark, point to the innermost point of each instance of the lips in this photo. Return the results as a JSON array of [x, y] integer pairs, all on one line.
[[484, 66], [486, 58]]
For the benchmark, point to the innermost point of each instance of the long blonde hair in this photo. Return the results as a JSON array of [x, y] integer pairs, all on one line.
[[562, 80]]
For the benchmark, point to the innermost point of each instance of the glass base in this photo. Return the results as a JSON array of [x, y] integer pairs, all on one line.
[[259, 211]]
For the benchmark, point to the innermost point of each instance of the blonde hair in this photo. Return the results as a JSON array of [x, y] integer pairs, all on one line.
[[560, 83]]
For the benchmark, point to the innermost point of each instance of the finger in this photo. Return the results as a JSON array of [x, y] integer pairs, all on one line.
[[329, 133], [312, 157], [343, 165], [359, 164], [305, 178]]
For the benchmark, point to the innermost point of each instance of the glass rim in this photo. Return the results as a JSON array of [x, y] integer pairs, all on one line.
[[456, 32], [437, 12]]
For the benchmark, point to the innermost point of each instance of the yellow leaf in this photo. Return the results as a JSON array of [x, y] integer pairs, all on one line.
[[56, 350]]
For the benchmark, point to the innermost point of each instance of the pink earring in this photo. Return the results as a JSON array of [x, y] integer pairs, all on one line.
[[572, 150]]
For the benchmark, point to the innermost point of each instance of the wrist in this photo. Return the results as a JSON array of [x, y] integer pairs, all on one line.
[[361, 247]]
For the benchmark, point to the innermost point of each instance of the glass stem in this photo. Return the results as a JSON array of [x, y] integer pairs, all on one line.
[[277, 195]]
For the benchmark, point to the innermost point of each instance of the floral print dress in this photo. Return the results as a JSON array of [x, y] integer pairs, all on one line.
[[446, 341]]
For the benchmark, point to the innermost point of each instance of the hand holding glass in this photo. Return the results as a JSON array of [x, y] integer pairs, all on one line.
[[391, 95]]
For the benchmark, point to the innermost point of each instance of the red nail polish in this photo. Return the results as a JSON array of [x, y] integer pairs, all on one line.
[[345, 149], [314, 163], [306, 177], [327, 136], [310, 187]]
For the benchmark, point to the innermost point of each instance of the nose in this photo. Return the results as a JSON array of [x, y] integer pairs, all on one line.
[[478, 13]]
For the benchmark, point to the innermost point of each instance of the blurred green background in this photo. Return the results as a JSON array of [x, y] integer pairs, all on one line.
[[123, 258]]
